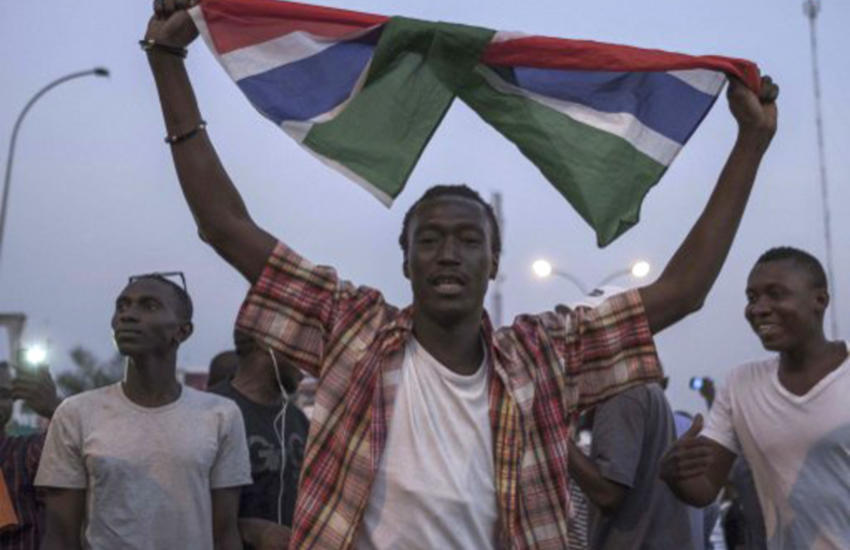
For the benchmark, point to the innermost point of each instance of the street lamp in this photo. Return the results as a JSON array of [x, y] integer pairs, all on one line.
[[543, 268], [97, 71]]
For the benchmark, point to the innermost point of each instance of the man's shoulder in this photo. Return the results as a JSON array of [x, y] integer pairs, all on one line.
[[208, 401], [88, 399], [752, 372]]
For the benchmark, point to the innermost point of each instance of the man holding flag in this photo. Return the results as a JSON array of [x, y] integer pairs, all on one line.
[[431, 429]]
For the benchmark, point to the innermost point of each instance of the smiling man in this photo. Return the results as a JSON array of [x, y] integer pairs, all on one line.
[[431, 429], [787, 415], [146, 462]]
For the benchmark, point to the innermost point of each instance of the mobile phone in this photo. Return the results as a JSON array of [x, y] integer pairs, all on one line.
[[696, 382]]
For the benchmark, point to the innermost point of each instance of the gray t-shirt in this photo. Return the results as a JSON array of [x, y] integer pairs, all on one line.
[[631, 431], [148, 472]]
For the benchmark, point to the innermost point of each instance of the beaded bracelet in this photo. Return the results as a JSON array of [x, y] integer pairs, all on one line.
[[171, 140], [150, 44]]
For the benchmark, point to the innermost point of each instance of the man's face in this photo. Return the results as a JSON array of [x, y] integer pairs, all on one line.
[[146, 319], [784, 307], [5, 395], [449, 260]]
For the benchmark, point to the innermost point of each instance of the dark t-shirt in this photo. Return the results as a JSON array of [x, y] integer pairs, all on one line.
[[260, 500], [630, 433]]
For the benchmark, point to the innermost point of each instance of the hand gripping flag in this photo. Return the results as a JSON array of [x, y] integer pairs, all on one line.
[[365, 93]]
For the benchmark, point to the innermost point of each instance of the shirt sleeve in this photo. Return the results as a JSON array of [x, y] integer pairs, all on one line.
[[719, 426], [618, 431], [232, 467], [62, 464], [301, 309], [607, 349]]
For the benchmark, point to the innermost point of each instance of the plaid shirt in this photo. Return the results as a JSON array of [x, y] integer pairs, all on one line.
[[544, 368], [19, 456]]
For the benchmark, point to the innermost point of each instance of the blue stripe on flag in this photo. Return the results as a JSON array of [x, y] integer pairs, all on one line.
[[660, 101], [308, 87]]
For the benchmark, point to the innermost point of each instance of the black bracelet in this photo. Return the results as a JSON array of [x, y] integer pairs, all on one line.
[[171, 140], [150, 44]]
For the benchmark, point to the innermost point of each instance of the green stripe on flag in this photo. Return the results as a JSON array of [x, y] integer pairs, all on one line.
[[415, 73], [603, 176]]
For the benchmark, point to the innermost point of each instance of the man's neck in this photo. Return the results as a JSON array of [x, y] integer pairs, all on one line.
[[256, 381], [150, 381], [803, 367], [457, 346]]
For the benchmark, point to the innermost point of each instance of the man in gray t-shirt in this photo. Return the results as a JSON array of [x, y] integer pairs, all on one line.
[[145, 463], [633, 507]]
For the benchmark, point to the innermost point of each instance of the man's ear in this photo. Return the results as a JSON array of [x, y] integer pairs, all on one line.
[[494, 267], [405, 269], [185, 331], [821, 300]]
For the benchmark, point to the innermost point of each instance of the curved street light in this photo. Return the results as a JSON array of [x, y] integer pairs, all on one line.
[[97, 71], [543, 268]]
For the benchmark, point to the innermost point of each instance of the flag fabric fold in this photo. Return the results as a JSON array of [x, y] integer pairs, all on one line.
[[365, 93]]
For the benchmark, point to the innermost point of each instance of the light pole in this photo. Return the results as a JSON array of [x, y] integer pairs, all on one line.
[[543, 268], [97, 71], [811, 8]]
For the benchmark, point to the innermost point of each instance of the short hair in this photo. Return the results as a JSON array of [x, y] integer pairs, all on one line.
[[801, 259], [184, 302], [454, 190]]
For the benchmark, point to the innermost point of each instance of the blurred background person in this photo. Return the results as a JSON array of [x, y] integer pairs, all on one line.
[[22, 524]]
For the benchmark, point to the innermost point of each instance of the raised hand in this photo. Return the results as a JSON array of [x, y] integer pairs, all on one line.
[[690, 456], [36, 389], [756, 114], [171, 24]]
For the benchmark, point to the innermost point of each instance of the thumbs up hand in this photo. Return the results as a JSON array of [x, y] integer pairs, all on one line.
[[690, 456]]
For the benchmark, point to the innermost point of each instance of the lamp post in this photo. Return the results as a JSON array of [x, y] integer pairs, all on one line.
[[97, 71], [543, 268]]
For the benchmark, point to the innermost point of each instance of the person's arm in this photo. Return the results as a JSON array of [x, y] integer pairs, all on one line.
[[607, 495], [64, 511], [222, 218], [684, 284], [263, 534], [37, 390], [695, 468], [225, 509]]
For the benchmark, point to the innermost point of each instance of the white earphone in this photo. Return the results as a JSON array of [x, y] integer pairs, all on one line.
[[279, 433]]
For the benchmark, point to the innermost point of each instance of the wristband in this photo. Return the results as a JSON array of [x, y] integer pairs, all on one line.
[[150, 44], [171, 140]]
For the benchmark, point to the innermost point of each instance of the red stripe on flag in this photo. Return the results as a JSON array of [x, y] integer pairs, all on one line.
[[233, 25], [558, 53]]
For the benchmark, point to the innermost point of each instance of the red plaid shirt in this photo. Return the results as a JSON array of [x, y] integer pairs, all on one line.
[[544, 368]]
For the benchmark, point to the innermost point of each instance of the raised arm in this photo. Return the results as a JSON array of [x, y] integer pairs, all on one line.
[[684, 284], [223, 221]]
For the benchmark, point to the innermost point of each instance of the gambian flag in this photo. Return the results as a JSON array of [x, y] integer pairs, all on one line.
[[365, 93]]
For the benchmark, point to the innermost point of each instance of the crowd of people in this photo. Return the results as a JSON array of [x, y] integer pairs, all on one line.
[[430, 428]]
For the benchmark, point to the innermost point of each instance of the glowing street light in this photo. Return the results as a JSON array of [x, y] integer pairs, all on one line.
[[35, 355], [543, 268]]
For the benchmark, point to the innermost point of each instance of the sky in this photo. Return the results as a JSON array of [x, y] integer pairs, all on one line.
[[94, 196]]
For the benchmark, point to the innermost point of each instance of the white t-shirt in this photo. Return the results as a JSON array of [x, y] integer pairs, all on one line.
[[434, 487], [798, 448], [148, 472]]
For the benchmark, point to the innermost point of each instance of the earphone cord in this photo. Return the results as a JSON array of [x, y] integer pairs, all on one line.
[[278, 427]]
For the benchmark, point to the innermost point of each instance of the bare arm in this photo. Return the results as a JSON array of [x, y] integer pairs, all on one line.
[[223, 221], [263, 534], [695, 468], [64, 511], [225, 508], [684, 284], [607, 495]]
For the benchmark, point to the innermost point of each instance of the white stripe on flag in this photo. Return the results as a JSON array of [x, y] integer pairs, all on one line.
[[625, 125], [286, 49], [704, 80]]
